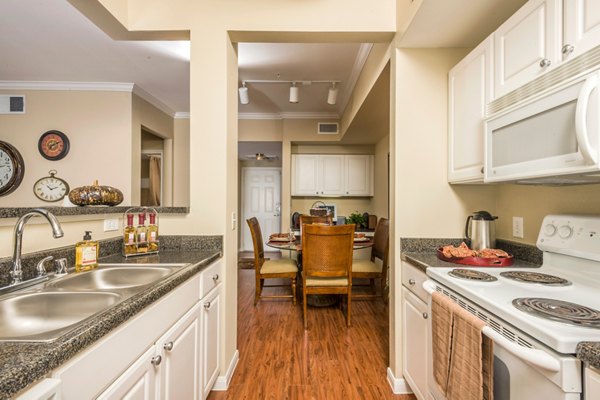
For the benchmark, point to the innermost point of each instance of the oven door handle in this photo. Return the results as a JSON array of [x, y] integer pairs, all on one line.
[[535, 357]]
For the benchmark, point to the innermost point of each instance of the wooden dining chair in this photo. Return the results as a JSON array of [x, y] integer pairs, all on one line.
[[369, 269], [270, 269], [327, 262]]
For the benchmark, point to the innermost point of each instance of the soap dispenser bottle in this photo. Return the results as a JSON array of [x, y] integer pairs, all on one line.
[[86, 253]]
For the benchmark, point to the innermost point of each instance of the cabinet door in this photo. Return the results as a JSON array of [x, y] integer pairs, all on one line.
[[358, 175], [581, 27], [331, 175], [211, 323], [469, 91], [305, 169], [180, 348], [526, 45], [416, 337], [138, 382], [591, 384]]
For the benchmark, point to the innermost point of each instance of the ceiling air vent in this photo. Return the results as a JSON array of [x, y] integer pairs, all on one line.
[[12, 104], [328, 128]]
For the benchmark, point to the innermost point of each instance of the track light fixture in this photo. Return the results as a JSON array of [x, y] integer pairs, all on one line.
[[332, 94], [293, 93], [244, 99], [294, 90]]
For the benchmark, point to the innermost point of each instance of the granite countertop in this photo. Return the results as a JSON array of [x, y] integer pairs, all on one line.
[[23, 363], [589, 352]]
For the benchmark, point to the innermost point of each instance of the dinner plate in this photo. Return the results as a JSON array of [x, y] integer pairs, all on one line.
[[280, 239], [361, 239]]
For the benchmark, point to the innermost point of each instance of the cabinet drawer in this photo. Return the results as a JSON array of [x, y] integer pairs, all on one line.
[[211, 277], [413, 279]]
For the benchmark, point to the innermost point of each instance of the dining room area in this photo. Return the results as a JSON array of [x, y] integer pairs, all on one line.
[[329, 339]]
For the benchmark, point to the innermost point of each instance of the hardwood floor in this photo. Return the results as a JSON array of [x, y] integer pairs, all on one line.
[[280, 360]]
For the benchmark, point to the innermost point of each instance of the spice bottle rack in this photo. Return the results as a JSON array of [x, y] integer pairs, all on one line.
[[145, 245]]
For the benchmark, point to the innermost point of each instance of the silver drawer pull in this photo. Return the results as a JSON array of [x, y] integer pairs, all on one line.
[[215, 277], [207, 305], [425, 315], [156, 360], [545, 63], [411, 282], [168, 346]]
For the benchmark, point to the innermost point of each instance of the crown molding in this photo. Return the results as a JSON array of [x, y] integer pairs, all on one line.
[[58, 85], [359, 63], [181, 115], [137, 90], [289, 115]]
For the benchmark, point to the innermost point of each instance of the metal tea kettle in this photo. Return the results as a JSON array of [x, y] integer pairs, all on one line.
[[482, 230]]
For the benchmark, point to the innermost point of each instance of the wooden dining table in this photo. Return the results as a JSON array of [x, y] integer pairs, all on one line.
[[316, 300]]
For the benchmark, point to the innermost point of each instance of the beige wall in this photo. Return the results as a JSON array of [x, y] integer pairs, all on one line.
[[534, 202], [98, 125], [380, 202], [260, 130], [423, 203], [181, 162]]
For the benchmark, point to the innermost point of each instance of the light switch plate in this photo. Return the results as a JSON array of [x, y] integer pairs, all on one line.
[[518, 227], [233, 221], [111, 225]]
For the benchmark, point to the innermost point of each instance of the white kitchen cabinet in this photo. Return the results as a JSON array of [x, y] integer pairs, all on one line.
[[332, 175], [137, 382], [470, 86], [305, 178], [211, 334], [179, 350], [581, 27], [527, 45], [415, 315], [591, 383], [358, 175]]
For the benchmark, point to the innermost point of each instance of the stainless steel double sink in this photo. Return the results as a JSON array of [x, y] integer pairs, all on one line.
[[51, 309]]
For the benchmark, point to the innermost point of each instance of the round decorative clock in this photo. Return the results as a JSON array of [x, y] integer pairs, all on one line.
[[12, 168], [53, 145], [50, 188]]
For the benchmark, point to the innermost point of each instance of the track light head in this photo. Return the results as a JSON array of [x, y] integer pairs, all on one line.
[[332, 94], [243, 91], [293, 93]]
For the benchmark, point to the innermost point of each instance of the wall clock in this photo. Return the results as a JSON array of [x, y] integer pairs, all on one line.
[[53, 145], [50, 188], [12, 168]]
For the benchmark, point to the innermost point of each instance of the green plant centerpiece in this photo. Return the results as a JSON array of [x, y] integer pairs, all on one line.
[[357, 219]]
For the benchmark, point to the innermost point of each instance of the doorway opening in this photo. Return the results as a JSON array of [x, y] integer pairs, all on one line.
[[151, 176]]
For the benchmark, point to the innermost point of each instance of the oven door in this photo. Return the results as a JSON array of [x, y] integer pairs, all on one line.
[[553, 135], [523, 370]]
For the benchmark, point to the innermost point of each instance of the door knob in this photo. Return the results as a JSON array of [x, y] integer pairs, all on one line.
[[411, 282], [425, 315], [545, 63], [168, 346], [207, 305], [215, 277]]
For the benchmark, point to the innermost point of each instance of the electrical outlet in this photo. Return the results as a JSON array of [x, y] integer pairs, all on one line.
[[233, 221], [111, 225], [518, 227]]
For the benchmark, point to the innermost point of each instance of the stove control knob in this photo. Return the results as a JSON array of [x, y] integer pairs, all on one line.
[[550, 230], [565, 232]]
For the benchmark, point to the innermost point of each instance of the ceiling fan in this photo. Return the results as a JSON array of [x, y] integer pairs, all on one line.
[[261, 156]]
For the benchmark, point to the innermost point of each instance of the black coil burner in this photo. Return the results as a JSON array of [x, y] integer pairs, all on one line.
[[535, 277], [559, 310], [472, 275]]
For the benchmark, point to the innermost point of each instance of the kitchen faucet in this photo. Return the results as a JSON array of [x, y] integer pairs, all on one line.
[[16, 272]]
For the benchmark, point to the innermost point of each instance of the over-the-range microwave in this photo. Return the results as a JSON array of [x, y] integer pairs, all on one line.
[[552, 139]]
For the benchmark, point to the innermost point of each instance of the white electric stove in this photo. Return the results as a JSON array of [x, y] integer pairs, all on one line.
[[538, 315]]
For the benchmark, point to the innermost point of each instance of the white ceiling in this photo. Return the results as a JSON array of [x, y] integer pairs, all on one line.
[[49, 40], [299, 62]]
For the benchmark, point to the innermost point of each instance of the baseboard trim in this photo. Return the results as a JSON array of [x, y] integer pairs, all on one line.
[[399, 386], [222, 382]]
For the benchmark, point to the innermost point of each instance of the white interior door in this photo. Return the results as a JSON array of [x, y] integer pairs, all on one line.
[[261, 198]]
